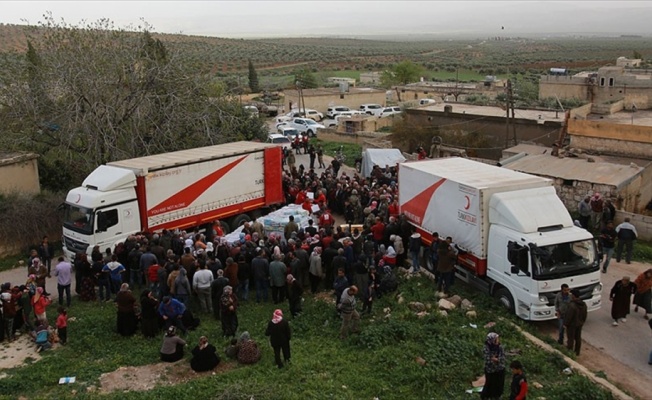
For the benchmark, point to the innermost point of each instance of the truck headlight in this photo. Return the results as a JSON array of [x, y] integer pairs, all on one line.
[[543, 299], [597, 289]]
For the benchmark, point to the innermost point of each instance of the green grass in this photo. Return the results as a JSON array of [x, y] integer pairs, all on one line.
[[379, 362], [10, 262], [351, 151], [642, 251]]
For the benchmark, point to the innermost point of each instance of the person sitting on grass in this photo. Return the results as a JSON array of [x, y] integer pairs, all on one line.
[[204, 356], [248, 352], [172, 349]]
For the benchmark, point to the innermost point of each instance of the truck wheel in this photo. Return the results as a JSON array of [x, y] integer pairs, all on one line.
[[310, 133], [239, 220], [225, 227], [505, 298]]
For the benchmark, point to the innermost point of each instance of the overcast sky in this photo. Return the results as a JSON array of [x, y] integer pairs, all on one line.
[[245, 18]]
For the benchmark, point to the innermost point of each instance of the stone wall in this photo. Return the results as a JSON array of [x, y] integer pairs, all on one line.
[[643, 224]]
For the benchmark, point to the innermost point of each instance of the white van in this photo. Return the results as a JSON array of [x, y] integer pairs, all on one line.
[[423, 102]]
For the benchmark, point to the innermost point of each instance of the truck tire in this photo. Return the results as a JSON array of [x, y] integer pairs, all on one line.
[[310, 133], [225, 227], [239, 220], [505, 298]]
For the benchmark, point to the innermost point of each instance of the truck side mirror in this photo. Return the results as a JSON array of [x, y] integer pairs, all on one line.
[[101, 222]]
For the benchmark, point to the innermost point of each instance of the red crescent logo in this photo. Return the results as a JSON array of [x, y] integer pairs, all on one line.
[[468, 202], [78, 199]]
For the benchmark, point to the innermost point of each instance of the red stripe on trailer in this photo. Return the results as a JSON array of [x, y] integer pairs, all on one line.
[[141, 195], [186, 196], [415, 208], [273, 168], [210, 216]]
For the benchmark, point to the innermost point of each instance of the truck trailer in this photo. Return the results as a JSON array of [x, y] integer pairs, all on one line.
[[230, 182], [517, 241]]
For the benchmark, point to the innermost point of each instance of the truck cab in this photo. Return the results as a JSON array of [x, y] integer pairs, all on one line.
[[103, 211], [530, 256]]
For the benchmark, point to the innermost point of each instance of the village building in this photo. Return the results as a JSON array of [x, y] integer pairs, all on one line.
[[19, 173], [321, 98]]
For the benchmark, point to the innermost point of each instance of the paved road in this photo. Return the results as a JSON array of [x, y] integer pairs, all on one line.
[[629, 343]]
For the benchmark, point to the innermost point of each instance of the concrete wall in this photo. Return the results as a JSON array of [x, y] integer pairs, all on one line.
[[564, 87], [322, 101], [492, 127], [608, 108], [581, 112], [329, 135], [634, 141], [19, 174]]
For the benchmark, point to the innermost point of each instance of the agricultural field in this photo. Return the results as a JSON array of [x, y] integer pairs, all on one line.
[[278, 58]]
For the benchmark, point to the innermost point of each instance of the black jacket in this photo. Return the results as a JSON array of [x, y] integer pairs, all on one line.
[[279, 334]]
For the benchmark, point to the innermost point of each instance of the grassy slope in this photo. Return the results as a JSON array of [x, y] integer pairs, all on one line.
[[380, 362]]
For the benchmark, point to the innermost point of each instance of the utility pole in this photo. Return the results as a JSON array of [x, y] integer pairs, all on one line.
[[508, 100]]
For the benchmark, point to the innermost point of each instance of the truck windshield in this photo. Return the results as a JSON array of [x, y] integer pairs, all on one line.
[[78, 219], [563, 259]]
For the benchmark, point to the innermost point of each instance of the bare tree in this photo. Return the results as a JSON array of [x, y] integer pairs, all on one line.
[[95, 93]]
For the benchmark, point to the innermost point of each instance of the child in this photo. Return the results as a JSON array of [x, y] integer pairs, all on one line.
[[519, 382], [62, 325], [41, 339], [231, 350]]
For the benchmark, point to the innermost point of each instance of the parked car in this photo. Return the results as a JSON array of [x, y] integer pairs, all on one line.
[[336, 110], [304, 125], [371, 109], [279, 139], [288, 132], [309, 113], [388, 111], [252, 110], [423, 102], [343, 115]]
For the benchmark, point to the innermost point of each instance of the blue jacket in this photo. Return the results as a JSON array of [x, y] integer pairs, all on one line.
[[172, 310]]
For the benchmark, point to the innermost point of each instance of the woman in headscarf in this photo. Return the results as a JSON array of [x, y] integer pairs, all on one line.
[[295, 291], [204, 356], [172, 348], [620, 297], [494, 368], [149, 317], [86, 279], [643, 297], [40, 302], [248, 352], [279, 334], [126, 303], [229, 308], [390, 257], [182, 287], [315, 271]]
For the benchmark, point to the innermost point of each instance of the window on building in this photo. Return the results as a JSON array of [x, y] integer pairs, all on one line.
[[567, 182], [611, 82], [341, 96], [601, 81]]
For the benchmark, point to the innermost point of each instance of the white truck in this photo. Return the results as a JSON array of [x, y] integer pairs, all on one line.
[[518, 242], [231, 183]]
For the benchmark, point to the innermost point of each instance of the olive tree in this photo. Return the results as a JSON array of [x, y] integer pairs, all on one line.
[[86, 95]]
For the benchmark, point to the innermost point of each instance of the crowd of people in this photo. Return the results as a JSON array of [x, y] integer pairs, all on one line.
[[180, 275]]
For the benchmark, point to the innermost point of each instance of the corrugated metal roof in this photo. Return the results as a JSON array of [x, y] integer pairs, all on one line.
[[576, 169], [164, 160]]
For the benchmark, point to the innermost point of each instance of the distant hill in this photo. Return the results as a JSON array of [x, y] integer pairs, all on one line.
[[486, 55]]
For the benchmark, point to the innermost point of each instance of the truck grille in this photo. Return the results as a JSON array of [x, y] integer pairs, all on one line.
[[74, 245], [586, 292]]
